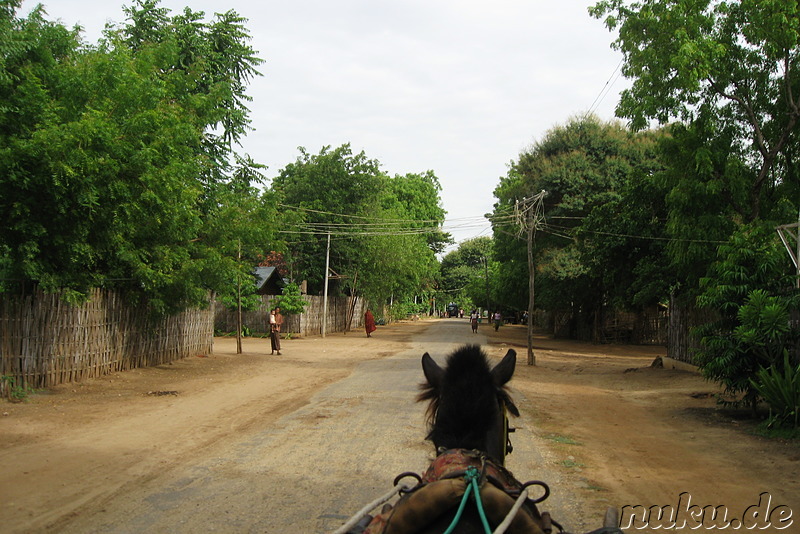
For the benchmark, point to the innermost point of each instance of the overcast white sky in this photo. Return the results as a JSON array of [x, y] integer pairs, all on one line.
[[459, 87]]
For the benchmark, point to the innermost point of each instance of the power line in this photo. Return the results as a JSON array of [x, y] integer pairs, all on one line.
[[384, 227], [377, 226], [566, 229], [606, 88]]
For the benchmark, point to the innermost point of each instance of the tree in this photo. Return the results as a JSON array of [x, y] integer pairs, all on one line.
[[747, 291], [326, 191], [469, 275], [380, 227], [599, 244], [510, 241], [733, 64], [234, 237], [417, 197], [115, 158], [290, 300]]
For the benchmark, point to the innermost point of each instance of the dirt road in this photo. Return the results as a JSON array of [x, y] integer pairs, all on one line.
[[259, 443]]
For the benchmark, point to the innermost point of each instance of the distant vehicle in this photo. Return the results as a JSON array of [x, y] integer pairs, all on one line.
[[452, 310]]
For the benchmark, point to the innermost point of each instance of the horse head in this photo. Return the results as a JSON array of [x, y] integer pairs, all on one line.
[[468, 401]]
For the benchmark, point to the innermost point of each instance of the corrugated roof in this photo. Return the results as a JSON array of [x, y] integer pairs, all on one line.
[[263, 274]]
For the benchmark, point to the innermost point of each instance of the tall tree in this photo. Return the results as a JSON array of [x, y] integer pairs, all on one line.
[[380, 227], [469, 274], [750, 330], [735, 64], [602, 213], [114, 158], [417, 197], [325, 193]]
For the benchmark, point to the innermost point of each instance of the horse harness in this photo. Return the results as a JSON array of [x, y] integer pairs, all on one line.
[[443, 486]]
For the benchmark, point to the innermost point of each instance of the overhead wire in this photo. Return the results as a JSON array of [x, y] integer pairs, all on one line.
[[381, 227], [376, 226], [606, 89]]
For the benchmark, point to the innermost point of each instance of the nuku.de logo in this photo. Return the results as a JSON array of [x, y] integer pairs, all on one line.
[[685, 515]]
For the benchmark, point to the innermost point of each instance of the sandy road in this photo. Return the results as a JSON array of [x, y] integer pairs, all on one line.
[[308, 470], [251, 443]]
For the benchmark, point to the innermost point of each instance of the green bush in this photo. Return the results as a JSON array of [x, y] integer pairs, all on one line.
[[780, 388], [15, 393], [746, 289], [290, 300]]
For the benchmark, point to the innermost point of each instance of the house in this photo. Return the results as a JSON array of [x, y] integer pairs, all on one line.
[[268, 281]]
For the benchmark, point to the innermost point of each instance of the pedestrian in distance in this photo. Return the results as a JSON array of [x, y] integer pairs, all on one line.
[[498, 319], [473, 321], [369, 323], [275, 324]]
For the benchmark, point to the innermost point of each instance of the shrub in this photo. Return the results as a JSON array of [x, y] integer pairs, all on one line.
[[780, 388]]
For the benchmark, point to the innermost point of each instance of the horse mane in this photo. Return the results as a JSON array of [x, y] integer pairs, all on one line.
[[462, 407]]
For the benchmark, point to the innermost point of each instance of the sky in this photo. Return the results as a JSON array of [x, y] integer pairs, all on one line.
[[458, 87]]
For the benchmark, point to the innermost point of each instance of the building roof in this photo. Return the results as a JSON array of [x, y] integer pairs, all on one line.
[[268, 281]]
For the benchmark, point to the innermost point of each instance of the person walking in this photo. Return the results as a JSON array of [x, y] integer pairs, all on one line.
[[473, 320], [498, 319], [275, 323], [369, 323]]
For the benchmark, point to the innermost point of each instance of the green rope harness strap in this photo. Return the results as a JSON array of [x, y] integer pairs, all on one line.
[[471, 478]]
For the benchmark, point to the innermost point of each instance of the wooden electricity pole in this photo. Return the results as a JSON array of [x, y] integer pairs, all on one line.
[[530, 214], [325, 293], [239, 302]]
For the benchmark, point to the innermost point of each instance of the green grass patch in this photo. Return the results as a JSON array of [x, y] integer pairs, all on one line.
[[778, 432], [571, 464], [562, 439]]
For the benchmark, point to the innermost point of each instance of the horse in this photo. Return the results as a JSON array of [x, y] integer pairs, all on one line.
[[466, 488], [468, 401]]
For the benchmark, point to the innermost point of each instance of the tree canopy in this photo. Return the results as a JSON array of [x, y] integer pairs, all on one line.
[[469, 275], [117, 160], [602, 209], [384, 230], [734, 65]]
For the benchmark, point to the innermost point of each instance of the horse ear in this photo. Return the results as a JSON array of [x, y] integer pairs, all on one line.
[[433, 373], [504, 370]]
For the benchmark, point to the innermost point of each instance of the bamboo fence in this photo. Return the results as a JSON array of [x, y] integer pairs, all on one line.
[[682, 344], [307, 323], [45, 341]]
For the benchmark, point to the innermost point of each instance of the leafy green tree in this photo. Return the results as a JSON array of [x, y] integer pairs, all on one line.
[[233, 239], [510, 245], [703, 179], [417, 197], [734, 64], [325, 192], [380, 227], [600, 244], [468, 274], [729, 70], [115, 158], [290, 300], [413, 214], [622, 241]]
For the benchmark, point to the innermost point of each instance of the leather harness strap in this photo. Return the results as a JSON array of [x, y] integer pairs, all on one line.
[[442, 488]]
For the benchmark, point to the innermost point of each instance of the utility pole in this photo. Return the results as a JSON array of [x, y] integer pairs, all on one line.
[[325, 294], [239, 302], [529, 214], [486, 277]]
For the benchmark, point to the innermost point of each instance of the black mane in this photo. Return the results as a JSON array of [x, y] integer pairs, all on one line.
[[465, 399]]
